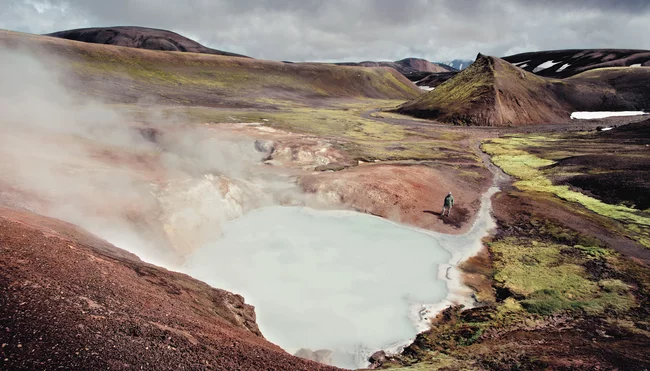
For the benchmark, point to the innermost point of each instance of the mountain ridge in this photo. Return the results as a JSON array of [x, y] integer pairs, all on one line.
[[493, 92], [139, 37]]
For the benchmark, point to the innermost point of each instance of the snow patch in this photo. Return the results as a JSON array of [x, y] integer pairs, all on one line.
[[545, 65], [585, 115], [426, 88], [564, 67], [521, 64], [636, 65]]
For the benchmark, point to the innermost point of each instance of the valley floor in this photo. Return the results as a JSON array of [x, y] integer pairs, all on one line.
[[566, 279], [182, 143]]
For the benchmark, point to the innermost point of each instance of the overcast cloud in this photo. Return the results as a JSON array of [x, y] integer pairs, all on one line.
[[355, 30]]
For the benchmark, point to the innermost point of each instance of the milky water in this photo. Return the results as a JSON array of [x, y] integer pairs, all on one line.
[[338, 280]]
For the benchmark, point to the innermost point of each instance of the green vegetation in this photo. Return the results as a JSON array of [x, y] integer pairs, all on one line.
[[234, 78], [551, 278], [490, 92], [538, 281], [452, 98], [512, 155], [364, 139], [552, 275]]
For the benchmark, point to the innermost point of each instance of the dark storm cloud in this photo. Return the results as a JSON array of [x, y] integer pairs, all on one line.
[[330, 30]]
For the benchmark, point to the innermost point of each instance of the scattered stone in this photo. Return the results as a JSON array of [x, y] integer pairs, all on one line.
[[377, 359], [331, 167]]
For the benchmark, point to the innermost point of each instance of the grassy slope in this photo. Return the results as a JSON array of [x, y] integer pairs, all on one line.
[[510, 154], [491, 92], [452, 100], [317, 99], [199, 79]]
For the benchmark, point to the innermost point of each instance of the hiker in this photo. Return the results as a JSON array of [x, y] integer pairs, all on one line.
[[449, 203]]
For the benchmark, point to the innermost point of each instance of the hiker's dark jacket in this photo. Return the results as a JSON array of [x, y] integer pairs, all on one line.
[[449, 201]]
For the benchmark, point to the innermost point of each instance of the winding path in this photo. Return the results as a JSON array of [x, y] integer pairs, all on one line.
[[620, 243]]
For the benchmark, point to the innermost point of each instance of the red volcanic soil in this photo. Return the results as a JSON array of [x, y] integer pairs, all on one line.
[[139, 37], [72, 301], [411, 194], [578, 60]]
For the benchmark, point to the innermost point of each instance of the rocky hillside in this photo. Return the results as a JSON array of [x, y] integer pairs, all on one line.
[[432, 80], [493, 92], [70, 300], [406, 66], [565, 63], [139, 37]]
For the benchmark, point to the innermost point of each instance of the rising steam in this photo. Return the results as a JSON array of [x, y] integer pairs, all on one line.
[[192, 198], [159, 191]]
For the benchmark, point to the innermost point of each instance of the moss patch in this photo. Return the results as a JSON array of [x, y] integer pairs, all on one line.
[[550, 277], [511, 154]]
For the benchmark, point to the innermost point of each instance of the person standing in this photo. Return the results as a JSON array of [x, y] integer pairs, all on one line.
[[449, 203]]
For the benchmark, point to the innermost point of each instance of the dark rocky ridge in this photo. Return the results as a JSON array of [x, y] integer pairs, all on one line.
[[578, 60], [139, 37], [493, 92], [412, 68]]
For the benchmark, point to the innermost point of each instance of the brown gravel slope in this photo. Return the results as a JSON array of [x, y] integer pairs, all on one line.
[[71, 301], [410, 194]]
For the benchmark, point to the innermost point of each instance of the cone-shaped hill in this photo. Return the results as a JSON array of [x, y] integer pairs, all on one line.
[[493, 92]]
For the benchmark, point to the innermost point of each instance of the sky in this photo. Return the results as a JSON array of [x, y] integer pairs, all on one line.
[[356, 30]]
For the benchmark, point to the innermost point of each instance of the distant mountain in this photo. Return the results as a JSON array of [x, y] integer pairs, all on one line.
[[406, 66], [139, 37], [565, 63], [493, 92], [432, 80], [458, 64]]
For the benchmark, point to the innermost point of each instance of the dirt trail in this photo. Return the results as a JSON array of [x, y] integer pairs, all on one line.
[[620, 243]]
